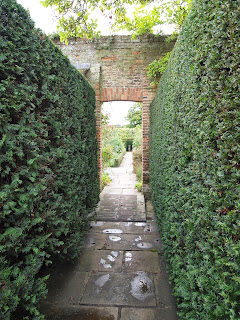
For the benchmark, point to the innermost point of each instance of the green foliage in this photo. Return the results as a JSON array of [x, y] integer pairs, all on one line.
[[137, 157], [113, 148], [137, 141], [105, 179], [107, 155], [105, 119], [139, 186], [148, 17], [156, 68], [48, 160], [137, 162], [75, 17], [194, 162], [126, 134], [134, 115]]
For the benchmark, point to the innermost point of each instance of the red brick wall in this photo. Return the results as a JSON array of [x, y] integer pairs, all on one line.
[[118, 72]]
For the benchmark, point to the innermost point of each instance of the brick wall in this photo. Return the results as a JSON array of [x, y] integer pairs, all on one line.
[[116, 68]]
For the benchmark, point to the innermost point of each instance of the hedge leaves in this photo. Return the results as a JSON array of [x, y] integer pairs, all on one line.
[[195, 133], [48, 159]]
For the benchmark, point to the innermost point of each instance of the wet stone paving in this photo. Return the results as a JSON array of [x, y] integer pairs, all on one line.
[[121, 274]]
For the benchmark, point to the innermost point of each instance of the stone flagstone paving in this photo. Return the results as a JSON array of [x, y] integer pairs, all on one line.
[[121, 274]]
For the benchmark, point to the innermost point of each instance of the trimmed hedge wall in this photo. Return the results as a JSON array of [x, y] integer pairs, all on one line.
[[49, 175], [194, 161]]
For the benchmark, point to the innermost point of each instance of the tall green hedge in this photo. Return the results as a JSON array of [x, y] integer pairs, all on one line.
[[48, 159], [195, 133]]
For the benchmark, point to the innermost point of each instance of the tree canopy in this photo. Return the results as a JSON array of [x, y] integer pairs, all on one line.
[[77, 17], [134, 115]]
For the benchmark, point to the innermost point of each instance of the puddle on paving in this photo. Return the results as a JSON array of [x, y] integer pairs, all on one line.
[[90, 242], [128, 256], [89, 314], [127, 224], [112, 231], [144, 245], [140, 224], [141, 287], [100, 282], [114, 238], [148, 228], [111, 258], [97, 224], [105, 265], [138, 239], [114, 254]]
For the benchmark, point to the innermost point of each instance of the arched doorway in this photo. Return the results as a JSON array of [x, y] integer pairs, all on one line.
[[116, 68]]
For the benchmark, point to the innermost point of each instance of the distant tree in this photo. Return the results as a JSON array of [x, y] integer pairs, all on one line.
[[134, 115], [105, 118]]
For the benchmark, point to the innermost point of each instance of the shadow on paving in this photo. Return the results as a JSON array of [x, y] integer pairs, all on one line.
[[122, 273]]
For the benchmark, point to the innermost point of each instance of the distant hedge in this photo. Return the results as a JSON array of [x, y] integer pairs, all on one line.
[[48, 160], [195, 146]]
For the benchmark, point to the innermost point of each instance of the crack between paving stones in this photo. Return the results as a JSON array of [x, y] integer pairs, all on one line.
[[85, 286], [120, 306], [119, 313]]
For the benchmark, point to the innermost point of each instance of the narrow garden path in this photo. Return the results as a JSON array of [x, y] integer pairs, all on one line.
[[121, 274]]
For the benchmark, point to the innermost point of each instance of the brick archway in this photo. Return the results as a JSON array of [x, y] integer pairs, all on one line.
[[116, 68], [121, 94], [145, 96]]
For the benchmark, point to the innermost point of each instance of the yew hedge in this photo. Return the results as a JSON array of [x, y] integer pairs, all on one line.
[[194, 161], [48, 159]]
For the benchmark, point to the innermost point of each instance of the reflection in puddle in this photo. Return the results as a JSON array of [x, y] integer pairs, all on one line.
[[140, 224], [97, 223], [149, 228], [144, 245], [105, 265], [100, 282], [90, 242], [114, 238], [112, 231], [128, 224], [111, 258], [138, 239], [141, 286], [128, 256], [114, 254]]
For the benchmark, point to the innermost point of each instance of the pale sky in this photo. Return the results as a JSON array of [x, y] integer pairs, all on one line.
[[117, 111], [43, 17]]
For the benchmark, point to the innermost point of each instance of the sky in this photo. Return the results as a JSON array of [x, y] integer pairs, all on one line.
[[43, 17], [117, 111]]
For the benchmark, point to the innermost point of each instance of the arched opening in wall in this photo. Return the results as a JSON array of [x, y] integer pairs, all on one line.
[[121, 136]]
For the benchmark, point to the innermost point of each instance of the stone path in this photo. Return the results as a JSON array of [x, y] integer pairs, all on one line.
[[121, 274]]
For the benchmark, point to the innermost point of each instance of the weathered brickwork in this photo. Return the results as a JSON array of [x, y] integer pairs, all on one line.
[[116, 68]]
